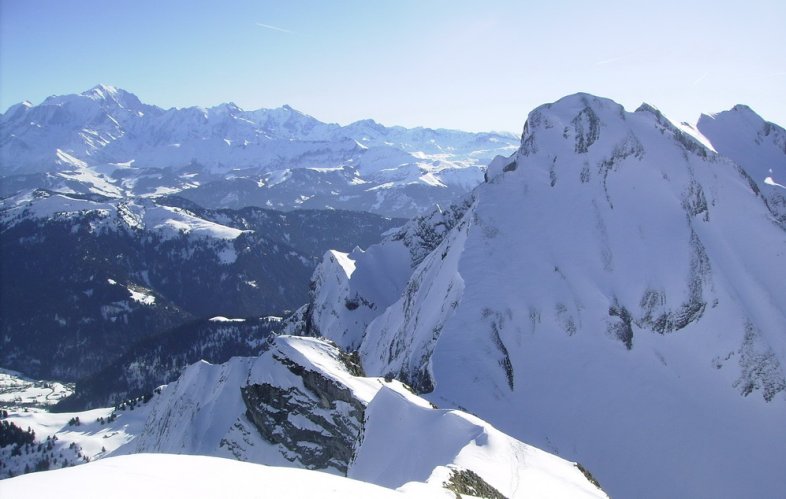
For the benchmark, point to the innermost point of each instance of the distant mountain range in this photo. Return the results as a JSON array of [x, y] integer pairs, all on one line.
[[105, 141]]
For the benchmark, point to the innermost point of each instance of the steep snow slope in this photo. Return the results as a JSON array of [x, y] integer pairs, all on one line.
[[612, 296], [187, 477], [350, 290], [304, 403], [757, 145], [405, 442]]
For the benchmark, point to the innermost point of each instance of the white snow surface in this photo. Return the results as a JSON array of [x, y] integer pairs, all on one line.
[[174, 221], [144, 297], [99, 433], [220, 318], [610, 296], [169, 476], [405, 442]]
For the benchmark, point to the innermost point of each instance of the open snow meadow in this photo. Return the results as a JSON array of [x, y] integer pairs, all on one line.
[[393, 249]]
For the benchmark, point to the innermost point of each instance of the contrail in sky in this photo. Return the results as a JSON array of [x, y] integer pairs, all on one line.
[[274, 28]]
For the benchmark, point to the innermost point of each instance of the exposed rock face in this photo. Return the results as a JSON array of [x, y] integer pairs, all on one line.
[[467, 482], [319, 425]]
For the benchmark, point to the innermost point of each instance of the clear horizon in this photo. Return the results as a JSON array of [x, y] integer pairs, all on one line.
[[436, 64]]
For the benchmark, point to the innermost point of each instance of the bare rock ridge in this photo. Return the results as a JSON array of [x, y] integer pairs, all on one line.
[[334, 418]]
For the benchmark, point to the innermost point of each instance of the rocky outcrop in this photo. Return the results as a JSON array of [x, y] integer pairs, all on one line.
[[318, 425]]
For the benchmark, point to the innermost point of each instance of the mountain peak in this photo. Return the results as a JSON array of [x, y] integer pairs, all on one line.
[[575, 109], [226, 107], [290, 109], [648, 108], [103, 91], [581, 101], [742, 108], [739, 111], [583, 114], [112, 95]]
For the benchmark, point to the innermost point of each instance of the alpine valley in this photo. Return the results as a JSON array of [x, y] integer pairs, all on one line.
[[601, 304]]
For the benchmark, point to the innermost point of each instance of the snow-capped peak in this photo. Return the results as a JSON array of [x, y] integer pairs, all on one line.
[[613, 251], [111, 95], [102, 91], [756, 145]]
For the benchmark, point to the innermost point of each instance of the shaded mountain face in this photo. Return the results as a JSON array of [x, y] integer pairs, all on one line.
[[609, 293], [106, 141], [161, 358], [85, 278]]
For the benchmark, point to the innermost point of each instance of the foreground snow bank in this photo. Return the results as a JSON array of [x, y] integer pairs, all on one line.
[[180, 476]]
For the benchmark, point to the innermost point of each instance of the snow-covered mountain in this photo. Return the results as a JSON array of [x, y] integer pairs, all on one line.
[[305, 403], [106, 141], [612, 293], [757, 145]]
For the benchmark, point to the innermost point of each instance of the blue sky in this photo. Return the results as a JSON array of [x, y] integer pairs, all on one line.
[[457, 64]]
